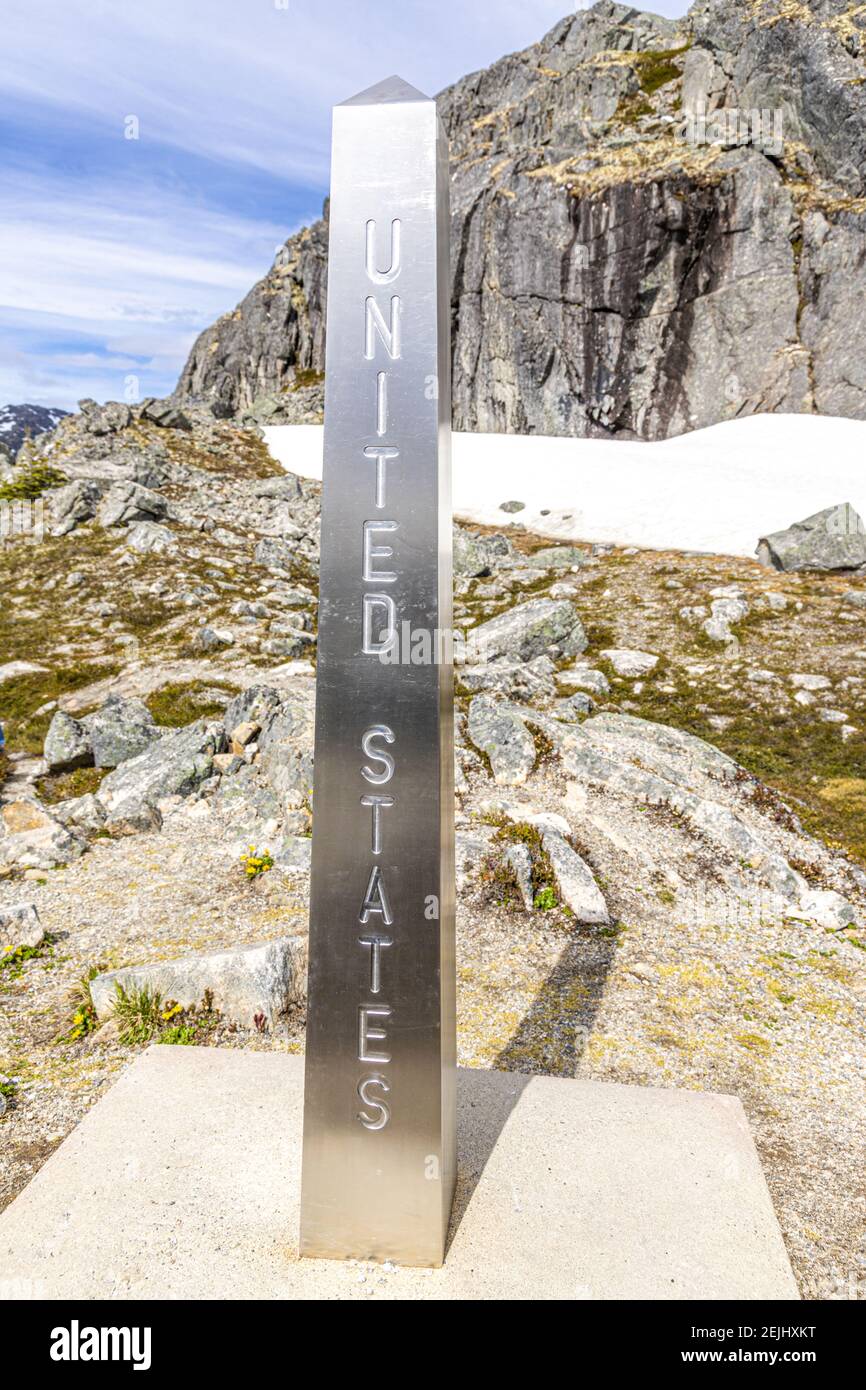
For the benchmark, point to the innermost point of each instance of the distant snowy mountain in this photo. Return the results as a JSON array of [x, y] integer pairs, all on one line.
[[17, 421]]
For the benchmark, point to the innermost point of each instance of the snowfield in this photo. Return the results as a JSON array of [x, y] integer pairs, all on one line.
[[716, 490]]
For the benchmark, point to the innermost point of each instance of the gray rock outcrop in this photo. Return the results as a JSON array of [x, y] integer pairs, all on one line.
[[174, 766], [657, 224], [531, 629], [833, 539]]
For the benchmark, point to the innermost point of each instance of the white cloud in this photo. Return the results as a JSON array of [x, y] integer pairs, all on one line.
[[251, 83], [129, 269], [233, 99]]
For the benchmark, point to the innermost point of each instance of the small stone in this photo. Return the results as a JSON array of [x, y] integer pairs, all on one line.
[[228, 763], [519, 861], [574, 706], [558, 557], [512, 506], [243, 734], [294, 854], [586, 678], [774, 600], [212, 639], [19, 926], [577, 886], [148, 537], [804, 681], [10, 670], [627, 662]]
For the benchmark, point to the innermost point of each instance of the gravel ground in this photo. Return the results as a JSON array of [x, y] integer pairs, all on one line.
[[770, 1012], [688, 988]]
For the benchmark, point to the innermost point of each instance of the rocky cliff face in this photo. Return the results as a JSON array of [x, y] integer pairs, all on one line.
[[657, 225]]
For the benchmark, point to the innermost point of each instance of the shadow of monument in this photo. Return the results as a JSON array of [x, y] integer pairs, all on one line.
[[485, 1099], [549, 1041], [551, 1037]]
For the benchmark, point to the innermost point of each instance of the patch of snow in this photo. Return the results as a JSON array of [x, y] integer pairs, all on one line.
[[716, 490]]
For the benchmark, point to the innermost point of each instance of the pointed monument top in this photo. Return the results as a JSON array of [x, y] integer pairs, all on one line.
[[391, 89]]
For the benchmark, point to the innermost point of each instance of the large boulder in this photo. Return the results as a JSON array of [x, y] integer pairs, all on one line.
[[175, 765], [67, 744], [110, 418], [479, 555], [120, 730], [265, 980], [128, 502], [530, 629], [76, 502], [834, 539], [596, 287]]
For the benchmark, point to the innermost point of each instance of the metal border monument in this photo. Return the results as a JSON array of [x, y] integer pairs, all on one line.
[[379, 1153]]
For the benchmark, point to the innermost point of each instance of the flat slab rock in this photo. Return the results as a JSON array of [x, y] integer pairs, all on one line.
[[183, 1182], [268, 978]]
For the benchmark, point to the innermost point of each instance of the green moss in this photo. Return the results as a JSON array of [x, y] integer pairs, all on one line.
[[600, 635], [21, 696], [800, 757], [142, 615], [63, 786], [306, 376], [631, 108], [546, 898], [656, 67], [178, 704]]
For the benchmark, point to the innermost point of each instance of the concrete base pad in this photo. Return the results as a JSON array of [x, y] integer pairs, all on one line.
[[183, 1182]]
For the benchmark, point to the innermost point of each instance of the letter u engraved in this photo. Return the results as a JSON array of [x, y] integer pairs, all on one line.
[[383, 277]]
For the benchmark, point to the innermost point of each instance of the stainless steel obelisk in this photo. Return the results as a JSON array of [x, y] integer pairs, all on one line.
[[379, 1109]]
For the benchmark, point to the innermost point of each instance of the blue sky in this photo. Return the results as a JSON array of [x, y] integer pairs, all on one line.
[[115, 252]]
